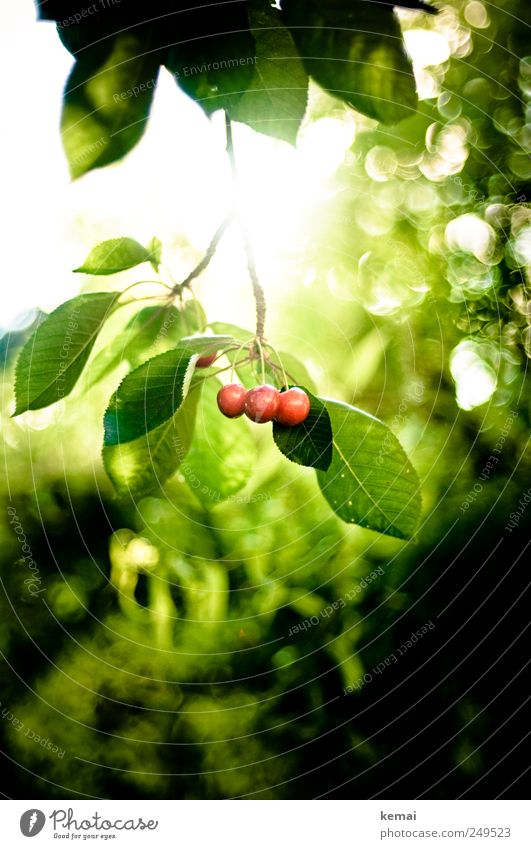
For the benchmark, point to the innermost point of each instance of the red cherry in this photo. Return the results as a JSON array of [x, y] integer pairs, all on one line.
[[293, 407], [261, 403], [206, 360], [231, 400]]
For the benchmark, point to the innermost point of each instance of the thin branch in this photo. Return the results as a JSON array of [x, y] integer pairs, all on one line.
[[258, 292], [280, 365], [210, 251]]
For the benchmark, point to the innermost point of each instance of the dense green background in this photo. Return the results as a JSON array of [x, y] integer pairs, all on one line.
[[159, 655]]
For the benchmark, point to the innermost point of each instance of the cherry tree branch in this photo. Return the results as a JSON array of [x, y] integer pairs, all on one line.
[[209, 253], [258, 292]]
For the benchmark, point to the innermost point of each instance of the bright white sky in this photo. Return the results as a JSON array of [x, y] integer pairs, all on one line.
[[33, 175], [174, 184], [48, 222]]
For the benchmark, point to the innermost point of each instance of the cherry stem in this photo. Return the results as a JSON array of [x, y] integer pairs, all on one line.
[[242, 346], [170, 275], [281, 364], [258, 292], [140, 283], [284, 372], [198, 380]]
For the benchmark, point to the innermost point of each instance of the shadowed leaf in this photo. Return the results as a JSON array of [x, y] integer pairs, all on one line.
[[277, 93], [309, 443], [355, 51]]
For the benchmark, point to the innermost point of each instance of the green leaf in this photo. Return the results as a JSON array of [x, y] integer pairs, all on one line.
[[222, 328], [134, 342], [103, 364], [154, 249], [151, 327], [296, 372], [276, 96], [150, 331], [107, 100], [114, 255], [206, 344], [355, 51], [310, 443], [54, 356], [195, 317], [216, 66], [221, 459], [370, 481], [249, 373], [157, 326], [149, 396], [137, 467]]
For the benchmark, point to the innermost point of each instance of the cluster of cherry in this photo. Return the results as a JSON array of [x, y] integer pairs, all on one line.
[[264, 403]]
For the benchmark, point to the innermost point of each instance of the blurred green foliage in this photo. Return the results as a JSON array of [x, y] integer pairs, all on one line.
[[162, 654]]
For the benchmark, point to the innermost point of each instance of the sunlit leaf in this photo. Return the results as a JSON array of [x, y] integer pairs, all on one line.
[[154, 249], [221, 459], [370, 481], [155, 328], [310, 443], [222, 328], [114, 255], [135, 342], [151, 325], [152, 330], [55, 354], [107, 101], [206, 344], [137, 467]]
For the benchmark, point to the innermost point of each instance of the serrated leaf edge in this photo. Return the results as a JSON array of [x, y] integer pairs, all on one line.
[[31, 340]]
